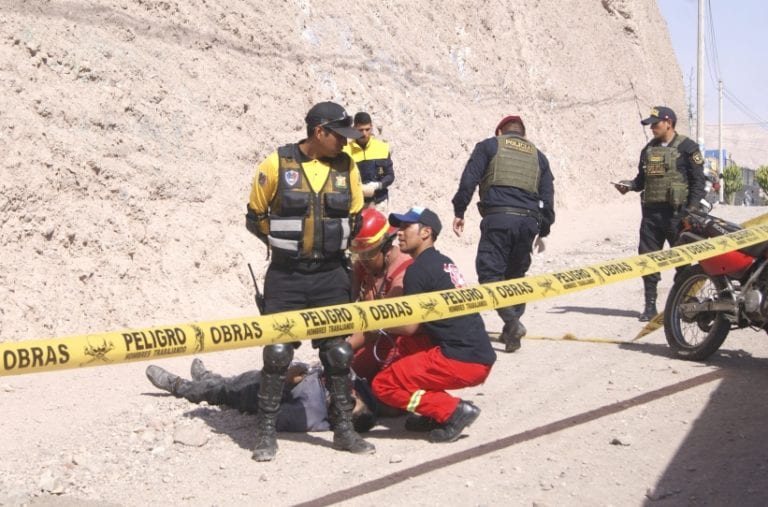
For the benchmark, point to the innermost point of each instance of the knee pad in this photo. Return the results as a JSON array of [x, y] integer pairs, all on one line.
[[337, 356], [277, 357]]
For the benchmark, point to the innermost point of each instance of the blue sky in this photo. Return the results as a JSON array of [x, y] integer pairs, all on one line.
[[741, 46]]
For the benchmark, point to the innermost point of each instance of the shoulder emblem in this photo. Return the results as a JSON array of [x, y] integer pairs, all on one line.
[[456, 278], [697, 157]]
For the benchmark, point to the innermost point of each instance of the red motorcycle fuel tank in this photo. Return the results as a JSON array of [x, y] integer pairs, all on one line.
[[731, 263]]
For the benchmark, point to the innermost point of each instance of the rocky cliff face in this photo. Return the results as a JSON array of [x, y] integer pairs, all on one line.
[[130, 129]]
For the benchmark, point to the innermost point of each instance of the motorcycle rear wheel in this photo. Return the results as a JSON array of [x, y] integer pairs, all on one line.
[[695, 336]]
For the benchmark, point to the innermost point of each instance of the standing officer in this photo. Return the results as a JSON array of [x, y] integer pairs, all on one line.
[[304, 205], [671, 178], [373, 159], [516, 202]]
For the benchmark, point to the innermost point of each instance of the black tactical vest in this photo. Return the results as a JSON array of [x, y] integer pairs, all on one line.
[[307, 225]]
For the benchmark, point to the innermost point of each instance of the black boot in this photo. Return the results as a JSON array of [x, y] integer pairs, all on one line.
[[197, 369], [420, 423], [464, 415], [270, 395], [649, 311], [163, 379], [345, 438], [510, 336]]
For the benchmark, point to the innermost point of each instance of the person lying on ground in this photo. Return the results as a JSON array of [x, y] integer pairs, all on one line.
[[304, 405]]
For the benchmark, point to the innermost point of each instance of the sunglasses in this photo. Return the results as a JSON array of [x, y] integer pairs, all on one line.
[[344, 121]]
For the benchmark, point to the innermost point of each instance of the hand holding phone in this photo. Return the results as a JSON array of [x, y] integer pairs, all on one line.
[[622, 187]]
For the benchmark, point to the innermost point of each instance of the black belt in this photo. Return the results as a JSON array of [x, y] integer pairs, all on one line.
[[508, 210], [305, 265]]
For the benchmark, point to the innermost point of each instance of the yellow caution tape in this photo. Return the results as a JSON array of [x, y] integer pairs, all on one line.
[[181, 339], [658, 321]]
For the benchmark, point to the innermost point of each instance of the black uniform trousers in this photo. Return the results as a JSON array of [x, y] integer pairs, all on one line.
[[286, 288], [303, 407], [659, 224], [504, 252]]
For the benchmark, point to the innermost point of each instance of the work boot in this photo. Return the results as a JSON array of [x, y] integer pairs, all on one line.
[[420, 423], [649, 291], [163, 379], [464, 415], [511, 334], [345, 438], [197, 370], [270, 395], [649, 312]]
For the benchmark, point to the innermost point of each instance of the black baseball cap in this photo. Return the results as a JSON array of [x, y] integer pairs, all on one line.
[[332, 116], [417, 215], [658, 114]]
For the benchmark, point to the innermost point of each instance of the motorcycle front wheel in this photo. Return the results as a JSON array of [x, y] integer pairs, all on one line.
[[694, 333]]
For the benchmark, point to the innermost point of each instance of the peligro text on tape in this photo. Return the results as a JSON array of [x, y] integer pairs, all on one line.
[[201, 337]]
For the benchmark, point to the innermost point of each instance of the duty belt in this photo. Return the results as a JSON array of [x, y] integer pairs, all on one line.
[[307, 265], [508, 210]]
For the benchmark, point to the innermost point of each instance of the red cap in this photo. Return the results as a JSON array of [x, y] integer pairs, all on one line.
[[508, 119]]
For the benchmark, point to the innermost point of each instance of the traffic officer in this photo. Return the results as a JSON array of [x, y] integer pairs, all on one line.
[[516, 202], [304, 204], [671, 178], [373, 159]]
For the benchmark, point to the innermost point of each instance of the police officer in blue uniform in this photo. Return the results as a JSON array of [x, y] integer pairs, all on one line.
[[516, 202], [304, 204], [671, 178]]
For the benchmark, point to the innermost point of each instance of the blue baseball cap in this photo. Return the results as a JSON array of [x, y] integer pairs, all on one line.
[[417, 215]]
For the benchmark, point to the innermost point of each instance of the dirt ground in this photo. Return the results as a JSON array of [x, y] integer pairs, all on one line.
[[600, 420], [129, 134]]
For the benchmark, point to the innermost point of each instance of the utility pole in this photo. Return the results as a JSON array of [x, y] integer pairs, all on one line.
[[700, 80], [690, 103], [720, 156]]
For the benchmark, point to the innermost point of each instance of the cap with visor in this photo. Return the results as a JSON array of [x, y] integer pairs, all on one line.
[[333, 117]]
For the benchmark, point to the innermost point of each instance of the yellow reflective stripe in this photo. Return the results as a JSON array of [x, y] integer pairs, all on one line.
[[413, 403]]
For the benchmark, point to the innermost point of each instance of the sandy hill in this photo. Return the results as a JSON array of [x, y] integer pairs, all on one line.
[[129, 130]]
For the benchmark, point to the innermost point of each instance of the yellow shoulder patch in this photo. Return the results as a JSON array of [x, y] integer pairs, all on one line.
[[697, 158]]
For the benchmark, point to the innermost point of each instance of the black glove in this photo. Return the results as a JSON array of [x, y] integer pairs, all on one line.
[[546, 219], [544, 229]]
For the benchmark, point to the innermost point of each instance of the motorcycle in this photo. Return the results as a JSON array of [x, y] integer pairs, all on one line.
[[709, 299]]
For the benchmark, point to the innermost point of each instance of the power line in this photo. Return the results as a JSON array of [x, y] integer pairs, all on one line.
[[712, 55], [741, 106], [716, 75]]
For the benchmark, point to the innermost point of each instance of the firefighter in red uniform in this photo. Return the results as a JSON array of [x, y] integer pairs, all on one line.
[[378, 271], [304, 204]]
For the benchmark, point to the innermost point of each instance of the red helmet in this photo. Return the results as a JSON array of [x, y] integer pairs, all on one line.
[[374, 233]]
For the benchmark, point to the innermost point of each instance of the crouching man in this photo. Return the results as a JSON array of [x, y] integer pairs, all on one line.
[[460, 353]]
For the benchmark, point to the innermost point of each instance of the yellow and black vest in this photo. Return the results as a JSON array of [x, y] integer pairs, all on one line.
[[516, 164], [303, 224], [663, 182]]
